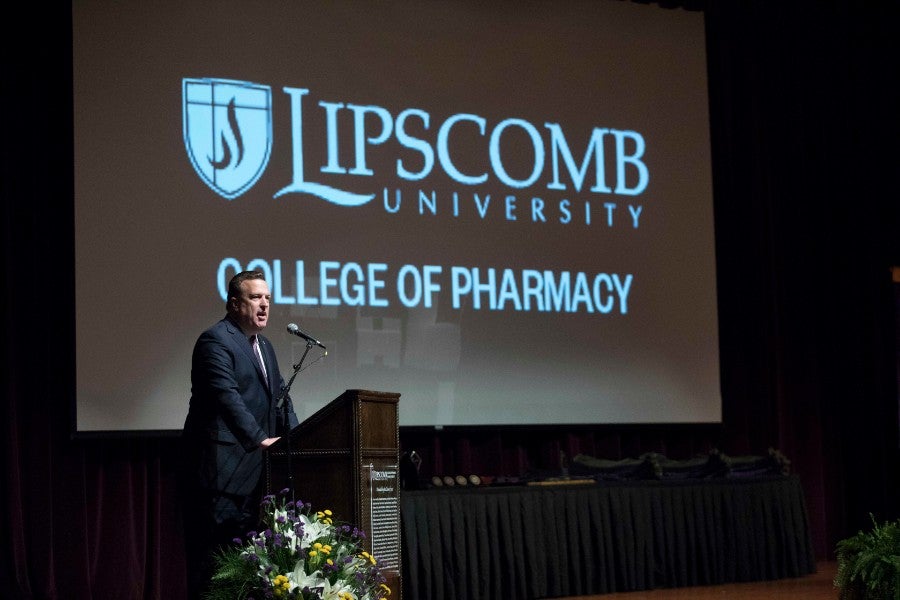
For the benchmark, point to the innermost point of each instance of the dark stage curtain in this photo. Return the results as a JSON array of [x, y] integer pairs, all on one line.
[[803, 114]]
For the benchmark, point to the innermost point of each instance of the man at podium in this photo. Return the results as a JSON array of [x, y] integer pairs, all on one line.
[[232, 419]]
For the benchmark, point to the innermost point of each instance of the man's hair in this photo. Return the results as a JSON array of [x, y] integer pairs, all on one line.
[[234, 286]]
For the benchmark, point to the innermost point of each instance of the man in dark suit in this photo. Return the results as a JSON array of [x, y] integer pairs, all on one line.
[[232, 419]]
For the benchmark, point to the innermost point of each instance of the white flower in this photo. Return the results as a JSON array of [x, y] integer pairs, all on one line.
[[333, 592], [299, 579], [313, 529]]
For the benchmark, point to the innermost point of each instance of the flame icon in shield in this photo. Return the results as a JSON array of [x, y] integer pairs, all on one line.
[[227, 132]]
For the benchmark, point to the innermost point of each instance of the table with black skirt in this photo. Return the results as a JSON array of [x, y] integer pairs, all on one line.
[[550, 541]]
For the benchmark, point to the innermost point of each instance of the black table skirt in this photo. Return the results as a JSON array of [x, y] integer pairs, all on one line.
[[546, 542]]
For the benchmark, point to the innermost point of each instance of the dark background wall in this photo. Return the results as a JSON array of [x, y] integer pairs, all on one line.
[[803, 101]]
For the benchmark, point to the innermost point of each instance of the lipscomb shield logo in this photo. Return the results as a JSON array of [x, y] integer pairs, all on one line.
[[227, 132]]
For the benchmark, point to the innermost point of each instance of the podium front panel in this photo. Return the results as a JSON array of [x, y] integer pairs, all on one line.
[[345, 457]]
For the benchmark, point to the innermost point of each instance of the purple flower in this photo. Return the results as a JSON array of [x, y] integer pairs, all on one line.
[[285, 491]]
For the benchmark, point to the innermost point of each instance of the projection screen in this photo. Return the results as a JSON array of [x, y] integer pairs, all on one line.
[[502, 211]]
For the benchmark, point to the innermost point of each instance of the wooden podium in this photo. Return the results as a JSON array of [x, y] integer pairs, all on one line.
[[345, 457]]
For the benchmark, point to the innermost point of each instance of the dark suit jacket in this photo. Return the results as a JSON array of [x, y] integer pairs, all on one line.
[[232, 409]]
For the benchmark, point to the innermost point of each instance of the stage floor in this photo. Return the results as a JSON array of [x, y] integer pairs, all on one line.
[[817, 586]]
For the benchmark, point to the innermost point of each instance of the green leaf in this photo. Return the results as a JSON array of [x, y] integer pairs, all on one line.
[[870, 560]]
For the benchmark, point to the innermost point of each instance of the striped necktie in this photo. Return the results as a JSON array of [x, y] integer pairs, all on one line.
[[256, 350]]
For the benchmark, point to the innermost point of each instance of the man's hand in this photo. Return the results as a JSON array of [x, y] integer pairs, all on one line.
[[268, 442]]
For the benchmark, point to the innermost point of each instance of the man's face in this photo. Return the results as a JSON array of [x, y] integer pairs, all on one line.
[[251, 310]]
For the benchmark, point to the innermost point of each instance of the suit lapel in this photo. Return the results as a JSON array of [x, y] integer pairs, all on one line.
[[243, 343]]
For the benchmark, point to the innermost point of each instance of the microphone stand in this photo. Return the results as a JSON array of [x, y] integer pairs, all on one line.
[[283, 404]]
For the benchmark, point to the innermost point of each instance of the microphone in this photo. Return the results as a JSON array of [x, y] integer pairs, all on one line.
[[292, 328]]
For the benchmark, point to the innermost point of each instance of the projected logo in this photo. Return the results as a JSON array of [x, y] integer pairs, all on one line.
[[227, 132], [228, 135]]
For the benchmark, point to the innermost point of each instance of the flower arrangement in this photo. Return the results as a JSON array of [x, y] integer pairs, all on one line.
[[301, 555]]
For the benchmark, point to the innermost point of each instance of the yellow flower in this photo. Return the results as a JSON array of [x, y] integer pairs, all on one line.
[[280, 585], [387, 590]]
